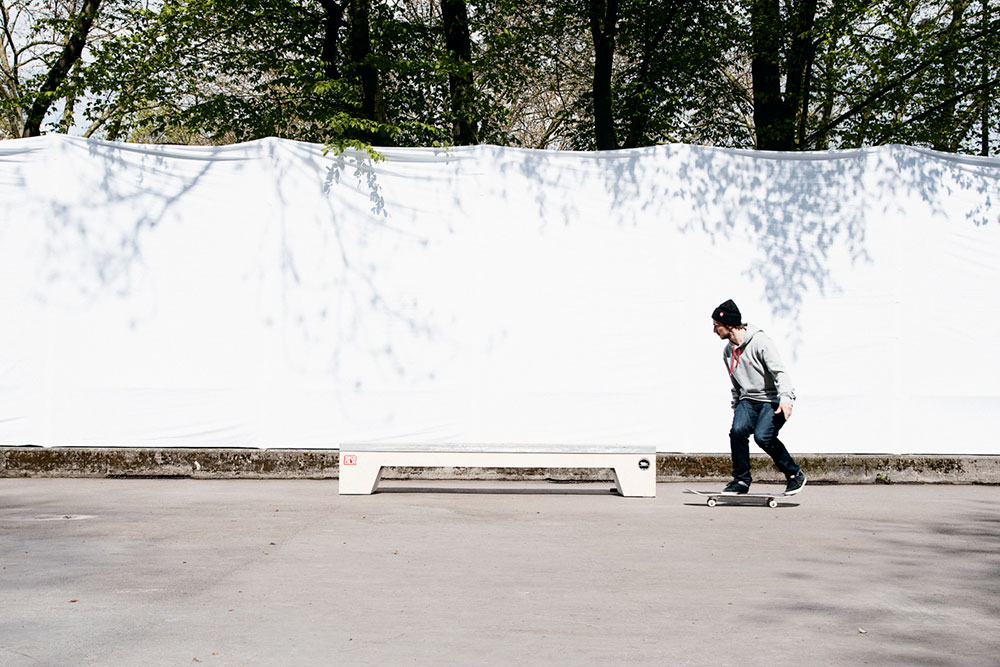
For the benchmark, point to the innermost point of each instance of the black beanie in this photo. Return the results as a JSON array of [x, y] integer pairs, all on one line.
[[728, 314]]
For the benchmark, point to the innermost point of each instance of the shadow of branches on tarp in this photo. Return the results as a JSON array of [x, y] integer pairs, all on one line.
[[934, 178], [362, 167], [329, 293], [333, 223], [792, 211], [333, 280], [92, 253]]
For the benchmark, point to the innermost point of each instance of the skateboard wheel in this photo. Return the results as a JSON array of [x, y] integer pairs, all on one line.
[[771, 502], [711, 502]]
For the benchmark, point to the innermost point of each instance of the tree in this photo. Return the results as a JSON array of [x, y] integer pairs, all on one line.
[[986, 72], [858, 73], [42, 57], [458, 43], [603, 15], [774, 113], [344, 72], [231, 70], [76, 38], [580, 74], [669, 53], [589, 74], [367, 75], [535, 67]]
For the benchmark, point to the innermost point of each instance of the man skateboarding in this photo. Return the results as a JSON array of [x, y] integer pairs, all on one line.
[[762, 398]]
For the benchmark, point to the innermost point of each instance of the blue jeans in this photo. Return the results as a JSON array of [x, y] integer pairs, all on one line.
[[760, 420]]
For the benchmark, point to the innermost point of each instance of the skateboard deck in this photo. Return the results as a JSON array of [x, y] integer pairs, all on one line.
[[770, 499]]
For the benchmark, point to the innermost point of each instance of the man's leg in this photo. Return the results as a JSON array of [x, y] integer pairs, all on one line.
[[744, 419], [765, 434]]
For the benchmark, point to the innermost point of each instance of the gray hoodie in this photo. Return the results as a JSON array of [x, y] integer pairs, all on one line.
[[756, 370]]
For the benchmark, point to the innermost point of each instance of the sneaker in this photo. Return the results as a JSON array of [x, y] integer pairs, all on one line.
[[736, 486], [795, 483]]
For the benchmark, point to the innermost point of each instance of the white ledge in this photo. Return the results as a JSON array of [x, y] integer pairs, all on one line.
[[494, 448], [361, 465]]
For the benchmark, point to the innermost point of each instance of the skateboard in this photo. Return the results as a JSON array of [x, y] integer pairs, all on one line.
[[771, 499]]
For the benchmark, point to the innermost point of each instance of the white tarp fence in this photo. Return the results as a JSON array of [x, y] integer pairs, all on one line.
[[266, 295]]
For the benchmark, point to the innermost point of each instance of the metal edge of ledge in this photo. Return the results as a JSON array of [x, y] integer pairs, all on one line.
[[250, 463]]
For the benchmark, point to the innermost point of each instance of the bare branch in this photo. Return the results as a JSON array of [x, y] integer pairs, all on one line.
[[936, 108], [889, 87]]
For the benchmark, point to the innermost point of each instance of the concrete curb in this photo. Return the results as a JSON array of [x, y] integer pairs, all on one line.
[[323, 464]]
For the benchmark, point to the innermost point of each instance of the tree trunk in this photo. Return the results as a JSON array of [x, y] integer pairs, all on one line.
[[829, 81], [603, 20], [361, 49], [10, 80], [67, 116], [774, 125], [333, 20], [944, 134], [799, 67], [984, 138], [60, 70], [637, 111], [460, 80]]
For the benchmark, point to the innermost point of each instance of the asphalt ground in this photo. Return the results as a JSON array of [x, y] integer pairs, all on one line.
[[287, 572]]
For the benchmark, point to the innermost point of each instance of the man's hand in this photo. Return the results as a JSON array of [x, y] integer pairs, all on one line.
[[785, 409]]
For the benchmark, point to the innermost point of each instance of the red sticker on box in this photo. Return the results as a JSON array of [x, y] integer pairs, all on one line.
[[350, 459]]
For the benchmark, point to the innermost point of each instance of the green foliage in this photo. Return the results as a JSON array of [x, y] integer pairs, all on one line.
[[921, 68], [922, 72], [33, 38], [897, 71]]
